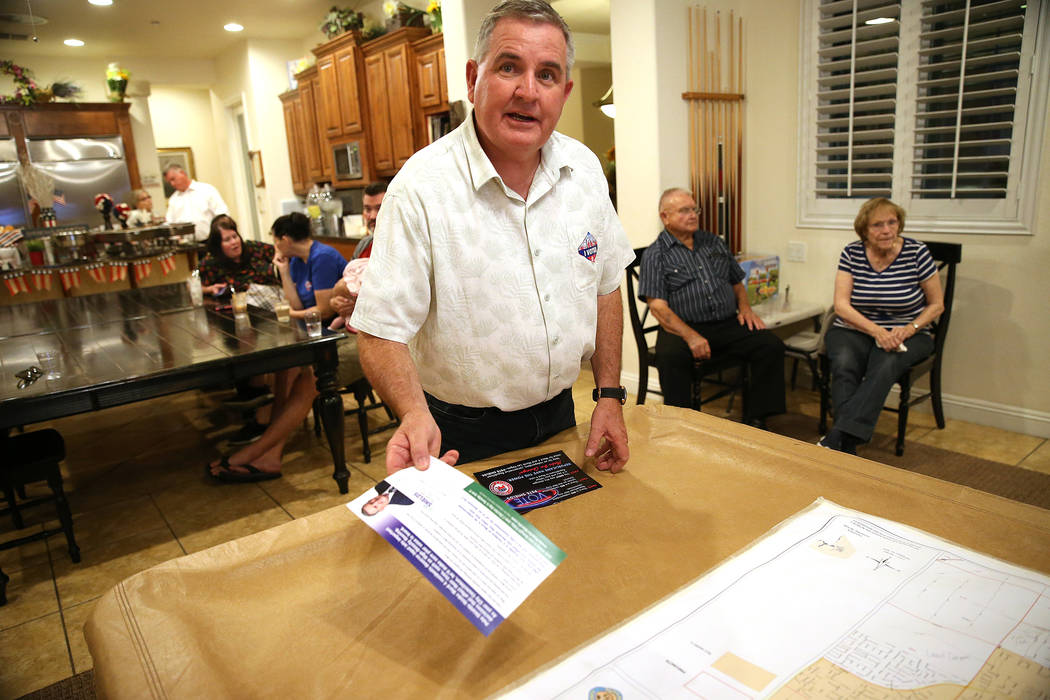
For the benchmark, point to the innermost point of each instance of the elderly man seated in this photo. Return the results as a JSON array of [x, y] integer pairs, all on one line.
[[694, 289]]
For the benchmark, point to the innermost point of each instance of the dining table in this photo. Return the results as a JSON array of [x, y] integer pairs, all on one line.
[[121, 347], [324, 607]]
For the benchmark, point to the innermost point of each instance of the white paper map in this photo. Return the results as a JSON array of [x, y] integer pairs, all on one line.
[[833, 603]]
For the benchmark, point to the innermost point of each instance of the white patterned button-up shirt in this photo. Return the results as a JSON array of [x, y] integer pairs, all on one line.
[[495, 296]]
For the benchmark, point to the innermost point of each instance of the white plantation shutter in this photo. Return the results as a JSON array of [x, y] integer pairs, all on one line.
[[969, 65], [941, 109], [856, 98]]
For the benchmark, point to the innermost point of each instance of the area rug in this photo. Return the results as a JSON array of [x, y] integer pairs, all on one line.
[[1004, 480], [78, 687]]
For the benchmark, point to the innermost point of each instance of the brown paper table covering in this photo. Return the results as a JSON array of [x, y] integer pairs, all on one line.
[[322, 607]]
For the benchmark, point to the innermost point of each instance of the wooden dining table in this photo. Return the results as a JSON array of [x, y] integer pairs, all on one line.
[[138, 344]]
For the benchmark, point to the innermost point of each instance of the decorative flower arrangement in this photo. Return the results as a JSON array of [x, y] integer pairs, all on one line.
[[402, 15], [117, 82], [104, 203], [26, 91], [434, 10], [122, 211], [371, 29], [339, 21], [25, 87]]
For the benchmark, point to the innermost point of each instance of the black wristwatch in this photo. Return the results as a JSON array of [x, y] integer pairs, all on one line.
[[610, 392]]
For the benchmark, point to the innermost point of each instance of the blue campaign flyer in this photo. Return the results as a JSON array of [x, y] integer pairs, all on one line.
[[476, 550]]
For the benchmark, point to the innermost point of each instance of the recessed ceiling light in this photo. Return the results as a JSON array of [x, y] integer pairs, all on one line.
[[879, 20], [232, 27], [101, 2], [73, 42]]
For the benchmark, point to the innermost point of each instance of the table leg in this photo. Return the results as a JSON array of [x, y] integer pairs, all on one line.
[[332, 411]]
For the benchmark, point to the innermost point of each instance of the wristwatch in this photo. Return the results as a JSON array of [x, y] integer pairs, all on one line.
[[915, 326], [610, 392]]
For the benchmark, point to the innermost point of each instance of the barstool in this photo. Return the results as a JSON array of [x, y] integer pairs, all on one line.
[[29, 458]]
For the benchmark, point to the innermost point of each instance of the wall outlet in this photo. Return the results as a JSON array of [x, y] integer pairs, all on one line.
[[796, 251]]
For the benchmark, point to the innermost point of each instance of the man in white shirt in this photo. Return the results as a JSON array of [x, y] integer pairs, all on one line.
[[192, 201], [496, 267]]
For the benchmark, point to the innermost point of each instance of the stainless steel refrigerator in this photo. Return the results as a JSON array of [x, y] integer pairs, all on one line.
[[81, 169], [12, 197]]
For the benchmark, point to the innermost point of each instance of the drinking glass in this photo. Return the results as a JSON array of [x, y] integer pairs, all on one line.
[[312, 319], [240, 303], [48, 361], [282, 310]]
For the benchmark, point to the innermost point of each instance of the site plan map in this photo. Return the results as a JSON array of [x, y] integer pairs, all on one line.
[[832, 603]]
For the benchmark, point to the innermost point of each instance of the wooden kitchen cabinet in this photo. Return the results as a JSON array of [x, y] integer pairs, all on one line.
[[393, 103], [292, 105], [339, 78], [313, 154], [430, 71]]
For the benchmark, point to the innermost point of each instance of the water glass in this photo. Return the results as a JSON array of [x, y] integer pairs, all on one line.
[[240, 303], [48, 361], [282, 310], [312, 319]]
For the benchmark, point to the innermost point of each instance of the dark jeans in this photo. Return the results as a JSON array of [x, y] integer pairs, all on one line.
[[762, 350], [482, 432], [862, 375]]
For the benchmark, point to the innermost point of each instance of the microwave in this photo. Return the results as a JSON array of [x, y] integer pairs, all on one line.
[[347, 159]]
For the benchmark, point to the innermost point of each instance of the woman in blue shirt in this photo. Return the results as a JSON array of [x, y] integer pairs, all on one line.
[[887, 293], [308, 269]]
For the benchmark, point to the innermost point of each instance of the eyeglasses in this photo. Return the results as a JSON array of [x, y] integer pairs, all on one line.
[[686, 211]]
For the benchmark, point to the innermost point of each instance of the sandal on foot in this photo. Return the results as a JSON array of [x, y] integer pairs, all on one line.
[[250, 475]]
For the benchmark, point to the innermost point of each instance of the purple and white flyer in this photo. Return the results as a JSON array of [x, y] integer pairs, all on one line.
[[483, 557]]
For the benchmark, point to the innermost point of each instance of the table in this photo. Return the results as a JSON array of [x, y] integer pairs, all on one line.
[[323, 607], [776, 314], [138, 344]]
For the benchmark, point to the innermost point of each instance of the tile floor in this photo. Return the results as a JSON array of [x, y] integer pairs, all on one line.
[[136, 486]]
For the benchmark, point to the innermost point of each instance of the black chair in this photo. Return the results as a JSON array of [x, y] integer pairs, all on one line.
[[366, 401], [947, 256], [704, 371], [30, 458]]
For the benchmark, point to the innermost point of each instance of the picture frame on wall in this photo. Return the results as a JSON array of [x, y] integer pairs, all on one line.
[[182, 156], [258, 178]]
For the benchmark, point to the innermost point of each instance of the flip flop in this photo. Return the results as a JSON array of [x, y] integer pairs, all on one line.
[[227, 476]]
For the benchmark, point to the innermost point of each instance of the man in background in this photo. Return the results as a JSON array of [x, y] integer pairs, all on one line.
[[497, 267], [695, 290], [371, 201], [192, 202]]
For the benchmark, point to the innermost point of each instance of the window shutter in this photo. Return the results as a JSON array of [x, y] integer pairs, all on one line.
[[969, 61], [856, 98]]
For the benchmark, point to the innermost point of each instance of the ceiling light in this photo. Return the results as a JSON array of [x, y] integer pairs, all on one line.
[[233, 27], [879, 20], [73, 42], [605, 104], [101, 2]]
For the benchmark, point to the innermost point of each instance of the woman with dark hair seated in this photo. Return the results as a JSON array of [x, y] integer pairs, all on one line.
[[887, 293], [233, 261], [309, 270]]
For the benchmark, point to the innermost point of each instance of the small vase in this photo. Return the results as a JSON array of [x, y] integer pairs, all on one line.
[[117, 89], [435, 23]]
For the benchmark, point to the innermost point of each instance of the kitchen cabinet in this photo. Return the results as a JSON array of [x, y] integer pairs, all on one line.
[[313, 155], [379, 95], [392, 85], [292, 105]]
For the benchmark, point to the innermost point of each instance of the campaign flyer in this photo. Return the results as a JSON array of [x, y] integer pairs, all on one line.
[[480, 554], [537, 481]]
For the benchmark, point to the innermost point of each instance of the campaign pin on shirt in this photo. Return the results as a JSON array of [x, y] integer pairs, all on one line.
[[589, 247]]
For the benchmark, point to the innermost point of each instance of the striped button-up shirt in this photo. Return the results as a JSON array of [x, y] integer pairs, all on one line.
[[697, 284]]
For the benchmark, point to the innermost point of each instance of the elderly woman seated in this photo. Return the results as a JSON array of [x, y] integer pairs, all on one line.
[[141, 203], [887, 293]]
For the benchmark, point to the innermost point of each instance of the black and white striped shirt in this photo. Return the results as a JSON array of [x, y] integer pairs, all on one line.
[[892, 297]]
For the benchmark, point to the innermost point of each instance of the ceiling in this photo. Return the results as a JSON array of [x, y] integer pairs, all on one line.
[[193, 28]]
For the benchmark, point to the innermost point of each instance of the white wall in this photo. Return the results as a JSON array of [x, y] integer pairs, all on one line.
[[995, 367]]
